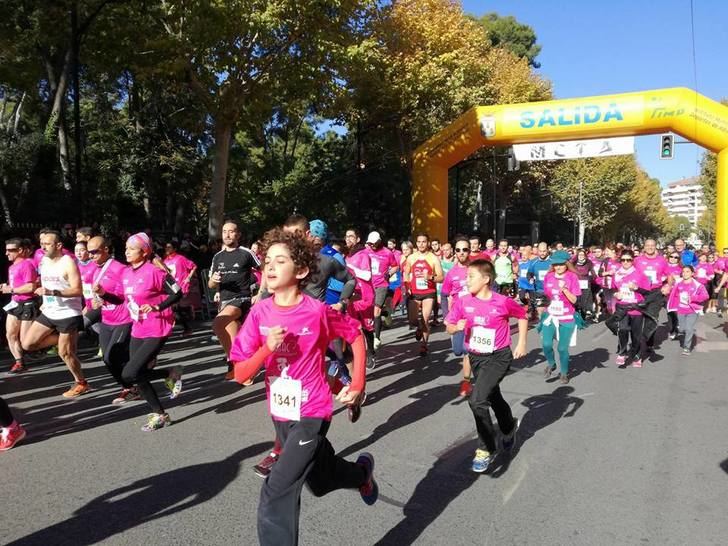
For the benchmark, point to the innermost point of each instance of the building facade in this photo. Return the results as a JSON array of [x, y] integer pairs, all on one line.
[[684, 198]]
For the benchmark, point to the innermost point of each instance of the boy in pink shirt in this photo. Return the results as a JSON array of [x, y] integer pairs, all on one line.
[[383, 265], [484, 315], [288, 335], [686, 299]]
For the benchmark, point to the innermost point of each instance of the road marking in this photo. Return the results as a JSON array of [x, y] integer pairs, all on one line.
[[509, 493]]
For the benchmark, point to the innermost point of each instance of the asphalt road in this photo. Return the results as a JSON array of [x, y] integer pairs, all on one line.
[[618, 456]]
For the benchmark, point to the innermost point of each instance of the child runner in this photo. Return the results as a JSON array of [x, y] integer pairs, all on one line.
[[562, 288], [686, 299], [674, 274], [484, 316], [288, 334]]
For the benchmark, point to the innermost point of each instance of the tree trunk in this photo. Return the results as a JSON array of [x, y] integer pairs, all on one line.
[[179, 218], [63, 153], [4, 201], [223, 137], [18, 111]]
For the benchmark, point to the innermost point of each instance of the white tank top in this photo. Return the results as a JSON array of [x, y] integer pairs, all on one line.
[[51, 277]]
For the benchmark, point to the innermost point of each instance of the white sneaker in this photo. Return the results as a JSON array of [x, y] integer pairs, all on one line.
[[377, 343]]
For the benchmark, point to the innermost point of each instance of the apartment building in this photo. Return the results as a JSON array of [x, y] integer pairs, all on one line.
[[684, 198]]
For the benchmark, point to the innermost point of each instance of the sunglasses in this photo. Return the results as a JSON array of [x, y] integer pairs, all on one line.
[[94, 251], [626, 260], [462, 250], [674, 257], [12, 250]]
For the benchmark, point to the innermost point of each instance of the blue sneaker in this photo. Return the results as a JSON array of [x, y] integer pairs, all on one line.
[[370, 490], [509, 440], [481, 461]]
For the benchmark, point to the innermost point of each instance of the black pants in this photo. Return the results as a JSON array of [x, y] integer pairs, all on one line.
[[142, 351], [672, 322], [114, 343], [585, 303], [6, 416], [487, 373], [309, 458], [630, 329]]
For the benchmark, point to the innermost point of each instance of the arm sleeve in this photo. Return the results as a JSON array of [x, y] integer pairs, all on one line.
[[245, 370], [112, 298], [173, 291], [358, 349]]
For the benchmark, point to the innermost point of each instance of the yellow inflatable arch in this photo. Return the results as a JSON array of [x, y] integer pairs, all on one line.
[[680, 110]]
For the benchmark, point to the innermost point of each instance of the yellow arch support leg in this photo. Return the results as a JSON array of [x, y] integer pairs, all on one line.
[[721, 202]]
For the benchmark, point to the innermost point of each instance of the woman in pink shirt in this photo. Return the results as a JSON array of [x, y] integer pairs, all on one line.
[[182, 270], [674, 274], [686, 299], [484, 315], [628, 284], [149, 294], [561, 286], [23, 307], [288, 334]]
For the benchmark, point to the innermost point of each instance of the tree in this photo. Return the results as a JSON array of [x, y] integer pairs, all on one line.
[[508, 33], [592, 191], [679, 228], [642, 215], [238, 55]]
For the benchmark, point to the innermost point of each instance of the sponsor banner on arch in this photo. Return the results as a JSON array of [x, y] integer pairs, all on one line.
[[574, 149]]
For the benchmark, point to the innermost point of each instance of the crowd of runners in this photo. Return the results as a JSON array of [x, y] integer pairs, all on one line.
[[309, 309]]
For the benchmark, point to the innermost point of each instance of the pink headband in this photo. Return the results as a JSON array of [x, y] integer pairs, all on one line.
[[141, 240]]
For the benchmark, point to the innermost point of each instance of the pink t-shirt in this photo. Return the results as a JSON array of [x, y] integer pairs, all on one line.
[[145, 285], [560, 307], [180, 267], [360, 266], [19, 274], [611, 266], [310, 325], [622, 279], [687, 297], [381, 260], [456, 282], [109, 277], [704, 273], [87, 271], [487, 327], [674, 271], [655, 269], [719, 265]]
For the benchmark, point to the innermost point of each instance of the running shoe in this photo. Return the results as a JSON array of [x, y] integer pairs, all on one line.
[[155, 421], [686, 352], [369, 491], [53, 351], [465, 388], [620, 360], [77, 390], [548, 370], [418, 334], [377, 343], [100, 353], [371, 362], [17, 367], [264, 467], [720, 314], [673, 337], [423, 349], [509, 440], [354, 412], [564, 378], [126, 395], [174, 381], [637, 363], [387, 319], [11, 436], [481, 461]]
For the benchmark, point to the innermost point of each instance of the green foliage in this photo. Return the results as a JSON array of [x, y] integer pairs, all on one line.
[[508, 33]]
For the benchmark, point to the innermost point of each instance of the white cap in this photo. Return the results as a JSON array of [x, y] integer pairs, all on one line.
[[374, 237]]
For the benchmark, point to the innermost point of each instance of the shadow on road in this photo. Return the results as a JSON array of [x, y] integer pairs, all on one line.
[[724, 466], [145, 500], [587, 361], [545, 410], [448, 477]]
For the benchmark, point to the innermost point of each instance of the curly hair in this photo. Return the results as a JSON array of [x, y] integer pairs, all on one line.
[[303, 253]]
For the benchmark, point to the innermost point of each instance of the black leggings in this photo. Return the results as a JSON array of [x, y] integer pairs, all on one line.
[[142, 352], [630, 329], [114, 343], [6, 416]]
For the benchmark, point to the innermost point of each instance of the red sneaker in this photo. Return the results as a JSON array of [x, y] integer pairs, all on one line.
[[264, 467], [465, 388], [11, 436], [17, 367]]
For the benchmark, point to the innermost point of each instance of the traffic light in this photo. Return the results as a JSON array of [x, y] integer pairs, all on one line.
[[513, 163], [666, 146]]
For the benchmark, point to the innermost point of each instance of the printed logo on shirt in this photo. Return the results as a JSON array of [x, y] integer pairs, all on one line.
[[470, 309], [263, 330], [305, 331], [282, 364], [479, 320]]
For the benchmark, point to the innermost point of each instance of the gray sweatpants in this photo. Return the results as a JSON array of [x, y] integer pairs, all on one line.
[[686, 323]]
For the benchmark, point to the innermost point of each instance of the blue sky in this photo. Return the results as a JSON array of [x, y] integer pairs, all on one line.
[[617, 46]]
